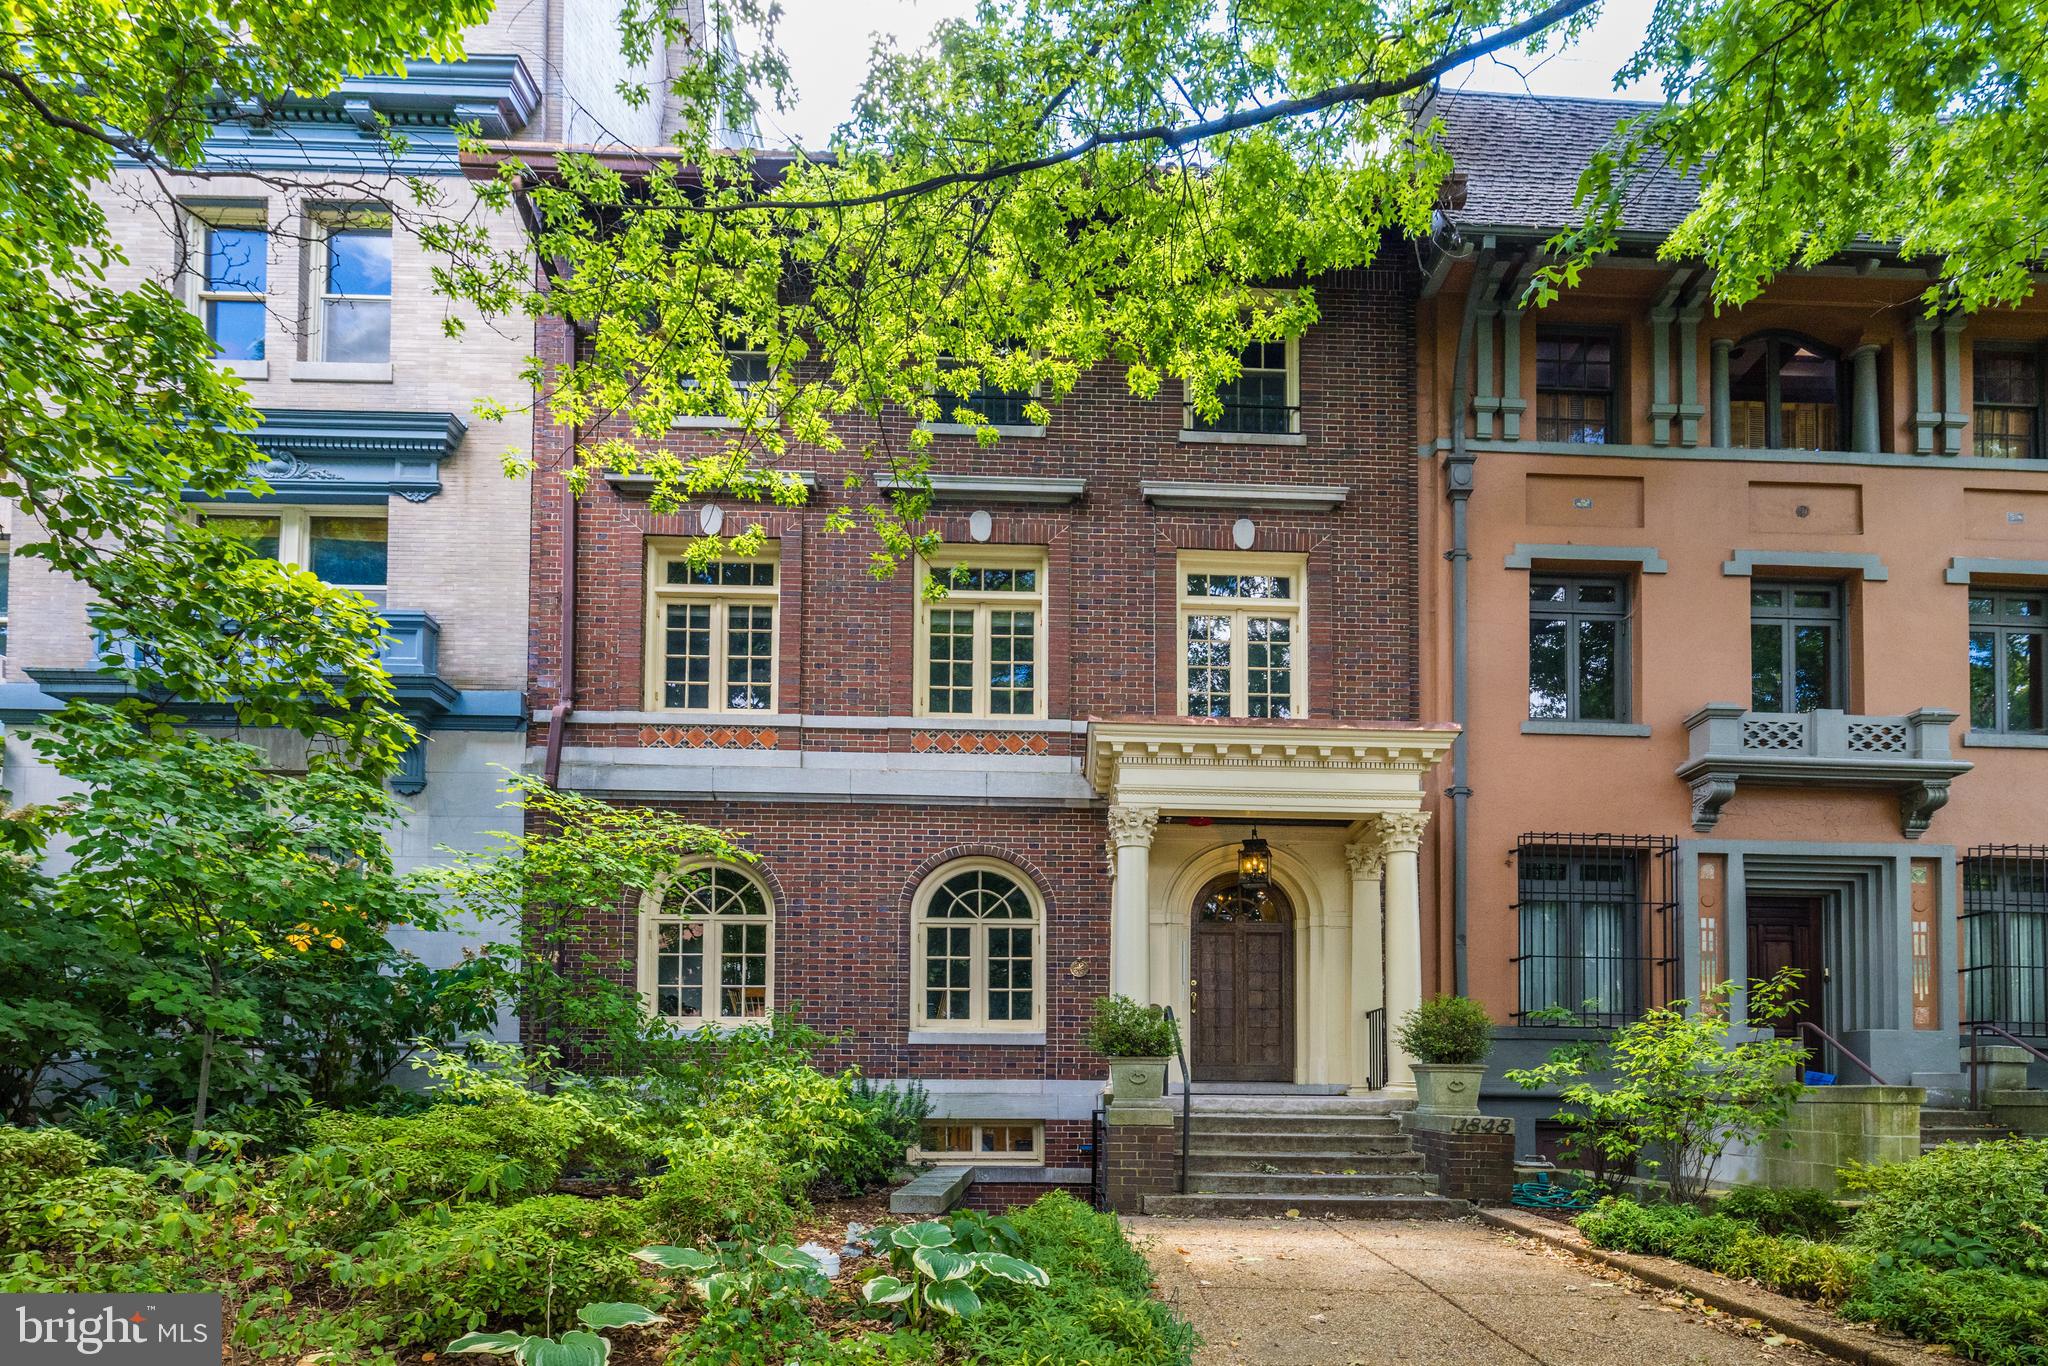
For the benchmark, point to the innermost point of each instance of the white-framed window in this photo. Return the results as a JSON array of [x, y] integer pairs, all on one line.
[[351, 277], [232, 275], [711, 632], [6, 560], [707, 947], [978, 945], [990, 1142], [1264, 399], [1244, 635], [981, 647], [348, 547]]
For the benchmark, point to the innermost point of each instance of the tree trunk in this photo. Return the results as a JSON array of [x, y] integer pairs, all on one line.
[[199, 1104]]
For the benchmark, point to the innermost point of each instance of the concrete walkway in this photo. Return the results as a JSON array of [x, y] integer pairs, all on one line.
[[1345, 1293]]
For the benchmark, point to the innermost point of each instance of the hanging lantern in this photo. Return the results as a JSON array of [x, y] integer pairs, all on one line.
[[1254, 864]]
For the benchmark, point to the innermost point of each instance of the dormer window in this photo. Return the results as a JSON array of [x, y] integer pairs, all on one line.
[[1784, 393]]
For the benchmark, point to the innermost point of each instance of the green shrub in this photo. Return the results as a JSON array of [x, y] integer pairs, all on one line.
[[722, 1187], [1986, 1315], [1098, 1308], [1791, 1266], [1992, 1196], [1799, 1210], [55, 1199], [443, 1273], [1448, 1029], [29, 1157], [1123, 1028]]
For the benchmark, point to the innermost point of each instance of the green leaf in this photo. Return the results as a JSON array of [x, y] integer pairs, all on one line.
[[492, 1344], [788, 1258], [942, 1264], [1013, 1269], [953, 1297], [677, 1258], [575, 1349], [927, 1234], [617, 1316], [887, 1290]]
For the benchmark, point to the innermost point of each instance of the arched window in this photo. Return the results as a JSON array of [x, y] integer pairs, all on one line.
[[1784, 393], [978, 949], [707, 948]]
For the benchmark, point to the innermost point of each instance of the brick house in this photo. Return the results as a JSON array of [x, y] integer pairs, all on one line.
[[976, 815]]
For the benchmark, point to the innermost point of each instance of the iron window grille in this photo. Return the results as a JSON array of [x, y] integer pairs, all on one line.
[[2005, 937], [1575, 387], [1597, 922], [2010, 411], [1795, 647], [1261, 400], [1578, 649], [2008, 648]]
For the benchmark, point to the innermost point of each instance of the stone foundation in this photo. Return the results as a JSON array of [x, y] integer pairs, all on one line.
[[1472, 1157]]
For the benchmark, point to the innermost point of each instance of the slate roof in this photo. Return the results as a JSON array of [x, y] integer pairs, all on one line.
[[1521, 156]]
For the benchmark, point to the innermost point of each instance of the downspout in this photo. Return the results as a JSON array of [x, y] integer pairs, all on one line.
[[565, 697], [1458, 467]]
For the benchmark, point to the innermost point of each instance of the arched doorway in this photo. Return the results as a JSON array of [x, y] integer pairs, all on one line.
[[1241, 992]]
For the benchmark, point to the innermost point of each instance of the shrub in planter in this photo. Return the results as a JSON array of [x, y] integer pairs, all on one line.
[[1453, 1030], [443, 1273], [1962, 1203], [1124, 1028], [721, 1187]]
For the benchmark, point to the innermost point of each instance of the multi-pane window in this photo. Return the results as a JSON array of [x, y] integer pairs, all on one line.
[[354, 279], [1008, 1142], [1795, 647], [982, 644], [1264, 399], [1579, 913], [2009, 393], [711, 633], [1243, 650], [997, 406], [1784, 394], [2008, 629], [1574, 387], [707, 951], [1578, 649], [749, 369], [979, 949], [233, 289], [345, 548], [2005, 938]]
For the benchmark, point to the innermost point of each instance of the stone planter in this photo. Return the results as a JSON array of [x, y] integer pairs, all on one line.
[[1443, 1088], [1136, 1080]]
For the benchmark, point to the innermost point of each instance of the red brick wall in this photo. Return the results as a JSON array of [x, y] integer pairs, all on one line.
[[998, 1196]]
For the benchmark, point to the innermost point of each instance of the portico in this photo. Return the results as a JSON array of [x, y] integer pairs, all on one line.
[[1278, 984]]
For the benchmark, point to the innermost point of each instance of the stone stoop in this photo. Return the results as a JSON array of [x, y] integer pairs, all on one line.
[[1940, 1125], [1262, 1156]]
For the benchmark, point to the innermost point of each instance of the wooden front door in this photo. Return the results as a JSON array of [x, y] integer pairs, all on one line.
[[1784, 932], [1242, 988]]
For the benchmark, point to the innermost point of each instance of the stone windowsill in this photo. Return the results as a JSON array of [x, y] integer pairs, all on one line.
[[1626, 729], [247, 369], [342, 372], [984, 1038], [963, 429], [1992, 739], [1191, 436]]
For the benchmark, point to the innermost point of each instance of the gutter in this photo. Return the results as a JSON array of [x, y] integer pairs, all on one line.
[[1458, 472]]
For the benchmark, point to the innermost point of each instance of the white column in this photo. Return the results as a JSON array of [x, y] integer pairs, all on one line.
[[1337, 1004], [1130, 831], [1402, 833], [1312, 1003], [1367, 968]]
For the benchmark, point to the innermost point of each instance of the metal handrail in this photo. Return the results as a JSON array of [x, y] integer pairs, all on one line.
[[1376, 1048], [1187, 1088], [1979, 1028], [1808, 1027]]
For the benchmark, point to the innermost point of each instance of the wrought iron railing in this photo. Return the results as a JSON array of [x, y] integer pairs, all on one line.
[[1098, 1161], [1596, 917], [1187, 1093], [2005, 937], [1262, 419], [1376, 1048], [1842, 1050], [1976, 1030]]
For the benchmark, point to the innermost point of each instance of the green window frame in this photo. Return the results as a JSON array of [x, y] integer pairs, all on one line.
[[2008, 651], [2009, 394], [1798, 660], [1578, 648]]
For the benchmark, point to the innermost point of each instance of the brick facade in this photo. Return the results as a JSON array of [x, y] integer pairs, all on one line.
[[1471, 1160], [1143, 1159]]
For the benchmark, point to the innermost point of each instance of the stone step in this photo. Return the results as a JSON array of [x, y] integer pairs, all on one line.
[[1361, 1144], [1949, 1118], [1394, 1158], [1352, 1126], [1294, 1184], [1307, 1206], [1204, 1103]]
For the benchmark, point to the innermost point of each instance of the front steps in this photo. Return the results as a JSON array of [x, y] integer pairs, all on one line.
[[1272, 1156], [1939, 1126]]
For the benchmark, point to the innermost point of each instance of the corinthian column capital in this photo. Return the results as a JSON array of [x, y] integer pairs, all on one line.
[[1367, 856], [1132, 826], [1401, 831]]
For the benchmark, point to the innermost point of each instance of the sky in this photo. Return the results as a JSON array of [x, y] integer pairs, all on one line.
[[828, 42]]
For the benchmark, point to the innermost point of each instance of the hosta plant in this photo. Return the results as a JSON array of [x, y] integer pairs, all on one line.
[[757, 1300], [579, 1347], [930, 1273]]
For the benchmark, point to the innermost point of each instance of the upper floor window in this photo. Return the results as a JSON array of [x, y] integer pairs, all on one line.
[[1264, 399], [344, 547], [707, 948], [1795, 646], [234, 289], [1784, 393], [997, 406], [1241, 636], [1574, 387], [1578, 649], [977, 933], [982, 645], [353, 273], [2007, 629], [2007, 419], [711, 632]]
